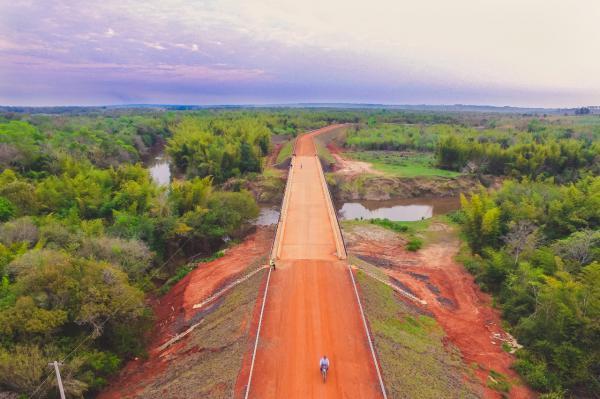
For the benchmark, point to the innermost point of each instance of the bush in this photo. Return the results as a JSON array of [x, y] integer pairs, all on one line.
[[133, 256], [19, 230], [7, 209], [398, 227], [179, 275], [414, 244]]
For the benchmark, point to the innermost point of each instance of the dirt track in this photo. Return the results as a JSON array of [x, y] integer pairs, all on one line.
[[348, 167], [311, 309]]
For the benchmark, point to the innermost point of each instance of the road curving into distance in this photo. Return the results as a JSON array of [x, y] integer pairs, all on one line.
[[311, 308]]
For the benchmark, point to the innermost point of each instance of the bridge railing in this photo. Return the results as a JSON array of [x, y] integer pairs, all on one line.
[[276, 245], [340, 243]]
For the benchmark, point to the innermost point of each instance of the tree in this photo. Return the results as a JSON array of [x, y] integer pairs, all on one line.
[[7, 209], [522, 236], [481, 220]]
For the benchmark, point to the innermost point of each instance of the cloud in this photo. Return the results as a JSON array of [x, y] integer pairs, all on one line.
[[389, 49], [154, 45], [191, 47]]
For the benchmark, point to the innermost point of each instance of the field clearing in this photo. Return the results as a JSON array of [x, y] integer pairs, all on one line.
[[401, 163]]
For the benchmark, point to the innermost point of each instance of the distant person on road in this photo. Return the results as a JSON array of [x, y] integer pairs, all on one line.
[[272, 263], [324, 364]]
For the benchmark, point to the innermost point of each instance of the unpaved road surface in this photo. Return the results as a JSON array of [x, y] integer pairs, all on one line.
[[311, 308]]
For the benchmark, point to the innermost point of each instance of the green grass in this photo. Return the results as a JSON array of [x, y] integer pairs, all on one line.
[[324, 153], [498, 382], [402, 164], [285, 152], [414, 361], [418, 233], [402, 227]]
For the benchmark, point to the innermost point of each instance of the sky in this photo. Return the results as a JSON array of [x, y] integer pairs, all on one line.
[[493, 52]]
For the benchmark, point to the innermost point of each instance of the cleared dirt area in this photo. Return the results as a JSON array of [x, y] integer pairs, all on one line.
[[206, 362], [453, 298], [311, 309], [348, 167]]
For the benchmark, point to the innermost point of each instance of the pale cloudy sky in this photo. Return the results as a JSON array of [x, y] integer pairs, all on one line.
[[500, 52]]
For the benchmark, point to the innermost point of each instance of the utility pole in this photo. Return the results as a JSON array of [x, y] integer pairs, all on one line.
[[58, 379]]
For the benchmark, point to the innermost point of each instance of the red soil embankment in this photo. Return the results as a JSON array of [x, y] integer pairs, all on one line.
[[174, 310], [461, 308]]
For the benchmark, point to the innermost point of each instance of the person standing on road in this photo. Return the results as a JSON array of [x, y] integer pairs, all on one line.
[[272, 263]]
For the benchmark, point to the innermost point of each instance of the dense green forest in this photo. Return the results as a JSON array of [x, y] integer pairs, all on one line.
[[561, 148], [536, 247], [534, 243], [86, 235]]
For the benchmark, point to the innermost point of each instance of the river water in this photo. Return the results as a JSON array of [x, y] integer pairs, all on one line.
[[401, 210], [160, 170], [404, 210]]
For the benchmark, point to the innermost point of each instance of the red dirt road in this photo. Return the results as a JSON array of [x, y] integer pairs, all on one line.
[[311, 308]]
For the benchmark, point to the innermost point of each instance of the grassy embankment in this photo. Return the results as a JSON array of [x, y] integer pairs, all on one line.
[[402, 164], [324, 153], [414, 361], [285, 152], [208, 363]]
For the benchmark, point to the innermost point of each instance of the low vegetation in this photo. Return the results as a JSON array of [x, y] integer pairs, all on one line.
[[560, 148], [209, 360], [415, 231], [410, 347], [403, 164], [285, 152]]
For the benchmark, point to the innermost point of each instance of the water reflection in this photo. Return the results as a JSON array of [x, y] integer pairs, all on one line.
[[160, 171], [405, 210], [267, 217]]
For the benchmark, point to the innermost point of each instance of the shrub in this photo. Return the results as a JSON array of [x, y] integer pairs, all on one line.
[[19, 230], [7, 209], [389, 224], [414, 244]]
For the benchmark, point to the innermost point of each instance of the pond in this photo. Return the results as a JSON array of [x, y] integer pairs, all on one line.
[[267, 217], [401, 210], [159, 170]]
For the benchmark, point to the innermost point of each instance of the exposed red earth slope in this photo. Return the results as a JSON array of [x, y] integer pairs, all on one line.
[[461, 308]]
